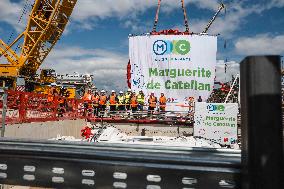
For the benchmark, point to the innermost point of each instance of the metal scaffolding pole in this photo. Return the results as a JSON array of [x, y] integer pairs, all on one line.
[[4, 109]]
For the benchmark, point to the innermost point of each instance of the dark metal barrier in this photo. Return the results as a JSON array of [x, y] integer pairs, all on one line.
[[83, 165]]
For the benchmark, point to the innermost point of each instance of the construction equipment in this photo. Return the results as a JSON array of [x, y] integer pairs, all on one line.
[[80, 82], [46, 24], [221, 7]]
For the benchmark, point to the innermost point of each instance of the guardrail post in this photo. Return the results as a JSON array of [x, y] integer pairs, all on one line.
[[22, 106], [262, 132], [4, 110]]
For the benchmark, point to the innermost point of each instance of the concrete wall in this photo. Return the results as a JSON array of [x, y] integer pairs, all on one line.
[[73, 128], [46, 130]]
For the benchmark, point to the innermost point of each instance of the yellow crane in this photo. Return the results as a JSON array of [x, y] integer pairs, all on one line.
[[45, 26]]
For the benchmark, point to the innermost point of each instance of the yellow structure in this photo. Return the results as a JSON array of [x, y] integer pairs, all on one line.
[[46, 24], [70, 92]]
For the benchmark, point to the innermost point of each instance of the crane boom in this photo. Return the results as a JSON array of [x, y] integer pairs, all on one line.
[[46, 24], [221, 7]]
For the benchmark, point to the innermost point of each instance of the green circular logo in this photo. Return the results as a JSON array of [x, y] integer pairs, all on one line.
[[182, 47]]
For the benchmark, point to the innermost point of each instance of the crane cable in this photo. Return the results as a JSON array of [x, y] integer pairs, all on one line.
[[157, 16], [184, 15]]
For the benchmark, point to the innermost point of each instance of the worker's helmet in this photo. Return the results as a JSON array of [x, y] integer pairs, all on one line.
[[53, 84], [120, 92], [129, 90], [103, 91], [152, 92], [113, 91]]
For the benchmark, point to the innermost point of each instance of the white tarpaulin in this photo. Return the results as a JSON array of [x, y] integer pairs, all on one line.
[[216, 121], [181, 66]]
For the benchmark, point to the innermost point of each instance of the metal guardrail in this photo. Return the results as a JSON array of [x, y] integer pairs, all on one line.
[[81, 165]]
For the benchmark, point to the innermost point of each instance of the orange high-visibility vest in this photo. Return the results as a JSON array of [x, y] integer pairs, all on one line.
[[112, 100], [87, 97], [95, 99], [61, 101], [152, 101], [163, 101], [103, 100], [50, 96], [134, 102]]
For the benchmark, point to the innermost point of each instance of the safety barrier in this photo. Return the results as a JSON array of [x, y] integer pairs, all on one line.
[[25, 107]]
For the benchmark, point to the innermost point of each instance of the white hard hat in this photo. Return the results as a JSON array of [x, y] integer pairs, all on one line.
[[53, 84], [120, 92], [113, 91], [129, 90], [152, 92], [102, 91]]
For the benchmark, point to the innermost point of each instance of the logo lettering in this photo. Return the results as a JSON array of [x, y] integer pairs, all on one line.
[[213, 107], [178, 47]]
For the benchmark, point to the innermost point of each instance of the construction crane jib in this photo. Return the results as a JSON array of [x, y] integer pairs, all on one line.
[[45, 26], [221, 7]]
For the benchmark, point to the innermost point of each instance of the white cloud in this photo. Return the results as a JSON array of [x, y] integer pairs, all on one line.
[[233, 68], [108, 68], [89, 11], [226, 23], [260, 45], [236, 12], [275, 3], [10, 12]]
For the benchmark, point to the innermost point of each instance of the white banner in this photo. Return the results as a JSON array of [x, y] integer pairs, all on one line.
[[181, 66], [216, 121]]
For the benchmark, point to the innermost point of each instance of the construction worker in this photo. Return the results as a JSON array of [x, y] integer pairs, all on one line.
[[191, 104], [112, 102], [127, 99], [141, 100], [102, 102], [162, 102], [152, 103], [95, 100], [133, 102], [87, 101], [121, 101], [51, 91]]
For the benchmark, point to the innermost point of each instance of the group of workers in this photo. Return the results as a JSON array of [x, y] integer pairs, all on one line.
[[97, 102], [122, 102]]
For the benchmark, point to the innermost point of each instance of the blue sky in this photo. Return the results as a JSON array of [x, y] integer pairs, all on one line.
[[96, 40]]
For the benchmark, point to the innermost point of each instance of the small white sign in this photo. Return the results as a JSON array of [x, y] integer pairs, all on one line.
[[216, 121]]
